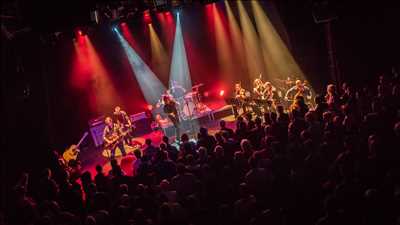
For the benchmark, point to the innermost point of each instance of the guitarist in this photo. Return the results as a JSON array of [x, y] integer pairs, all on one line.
[[170, 108], [298, 90], [261, 95], [112, 137], [123, 121], [259, 89], [239, 100]]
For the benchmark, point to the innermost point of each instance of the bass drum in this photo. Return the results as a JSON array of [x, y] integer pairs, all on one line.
[[188, 110]]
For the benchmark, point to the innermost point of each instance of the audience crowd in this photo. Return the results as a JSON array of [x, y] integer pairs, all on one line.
[[335, 163]]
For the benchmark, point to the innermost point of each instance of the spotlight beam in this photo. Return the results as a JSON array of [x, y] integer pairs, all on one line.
[[277, 57], [224, 52], [150, 85], [159, 56], [237, 41], [91, 76], [179, 71], [254, 58]]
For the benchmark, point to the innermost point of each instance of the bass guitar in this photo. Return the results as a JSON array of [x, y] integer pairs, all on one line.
[[114, 140]]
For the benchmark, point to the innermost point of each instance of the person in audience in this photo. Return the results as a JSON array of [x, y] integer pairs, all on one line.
[[187, 146], [334, 164], [205, 140], [150, 150], [331, 97], [184, 183], [137, 163], [223, 127], [101, 180], [164, 167], [172, 150]]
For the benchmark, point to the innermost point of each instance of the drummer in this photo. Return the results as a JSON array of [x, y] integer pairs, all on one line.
[[176, 90]]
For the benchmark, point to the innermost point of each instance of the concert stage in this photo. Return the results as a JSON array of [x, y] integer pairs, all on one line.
[[92, 156]]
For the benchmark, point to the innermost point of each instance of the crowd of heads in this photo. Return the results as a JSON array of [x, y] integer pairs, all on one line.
[[334, 163]]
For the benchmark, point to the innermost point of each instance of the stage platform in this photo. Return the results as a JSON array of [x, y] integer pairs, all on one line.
[[95, 155]]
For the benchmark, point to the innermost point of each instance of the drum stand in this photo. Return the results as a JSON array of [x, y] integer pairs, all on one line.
[[190, 117]]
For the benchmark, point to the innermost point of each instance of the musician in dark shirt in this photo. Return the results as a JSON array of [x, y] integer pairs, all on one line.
[[112, 137], [298, 90], [239, 99], [124, 122], [259, 89], [170, 108]]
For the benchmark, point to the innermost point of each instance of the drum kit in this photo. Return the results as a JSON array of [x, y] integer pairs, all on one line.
[[190, 103]]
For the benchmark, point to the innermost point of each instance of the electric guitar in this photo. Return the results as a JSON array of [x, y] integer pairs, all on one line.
[[114, 140], [72, 152]]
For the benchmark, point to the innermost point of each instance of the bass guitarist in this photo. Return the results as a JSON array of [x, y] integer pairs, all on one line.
[[113, 137], [125, 124]]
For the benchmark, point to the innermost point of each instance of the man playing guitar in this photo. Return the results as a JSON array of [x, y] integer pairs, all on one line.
[[298, 90], [239, 99], [259, 89], [113, 137], [170, 108], [123, 121]]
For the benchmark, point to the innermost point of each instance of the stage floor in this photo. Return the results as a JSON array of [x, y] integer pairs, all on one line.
[[96, 156]]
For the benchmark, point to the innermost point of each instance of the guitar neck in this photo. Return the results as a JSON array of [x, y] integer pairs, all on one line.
[[81, 140]]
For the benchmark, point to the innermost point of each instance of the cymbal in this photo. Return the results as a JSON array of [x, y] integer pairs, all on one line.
[[197, 86]]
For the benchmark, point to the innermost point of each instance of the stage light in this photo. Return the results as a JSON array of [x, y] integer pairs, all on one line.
[[221, 93], [123, 24], [150, 85], [167, 23], [81, 32], [207, 2], [115, 29], [147, 17]]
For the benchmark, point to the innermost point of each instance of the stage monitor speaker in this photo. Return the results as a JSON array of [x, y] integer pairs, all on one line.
[[222, 112]]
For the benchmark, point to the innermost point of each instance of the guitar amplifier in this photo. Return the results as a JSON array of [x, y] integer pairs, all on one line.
[[96, 127]]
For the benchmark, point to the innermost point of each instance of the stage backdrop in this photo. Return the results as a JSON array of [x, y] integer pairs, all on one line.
[[88, 77]]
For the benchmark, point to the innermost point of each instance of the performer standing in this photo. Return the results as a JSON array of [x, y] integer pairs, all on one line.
[[239, 99], [298, 90], [259, 89], [170, 108], [112, 137], [270, 94], [259, 96], [124, 122], [331, 97]]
